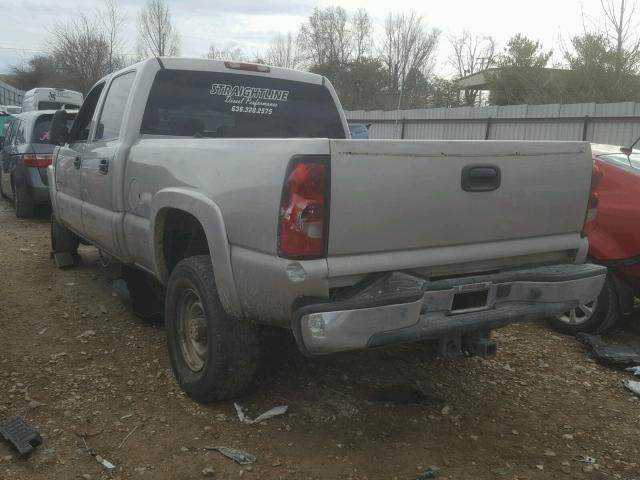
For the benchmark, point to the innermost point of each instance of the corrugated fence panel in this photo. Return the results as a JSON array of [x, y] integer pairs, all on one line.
[[10, 95], [612, 123]]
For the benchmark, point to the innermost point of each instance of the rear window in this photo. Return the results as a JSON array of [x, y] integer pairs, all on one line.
[[227, 105], [42, 126]]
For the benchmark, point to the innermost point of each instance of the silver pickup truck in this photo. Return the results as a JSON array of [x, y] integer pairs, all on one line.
[[236, 186]]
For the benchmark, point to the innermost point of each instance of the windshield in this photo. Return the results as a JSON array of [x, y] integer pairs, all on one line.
[[211, 104], [632, 160], [56, 106]]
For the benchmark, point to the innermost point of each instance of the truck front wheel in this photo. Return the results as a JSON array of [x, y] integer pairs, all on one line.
[[213, 356]]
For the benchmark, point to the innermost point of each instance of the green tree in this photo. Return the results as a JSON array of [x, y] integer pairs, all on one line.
[[595, 74], [360, 84], [520, 77]]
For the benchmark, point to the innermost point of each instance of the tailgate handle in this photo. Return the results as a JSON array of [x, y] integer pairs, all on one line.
[[480, 178]]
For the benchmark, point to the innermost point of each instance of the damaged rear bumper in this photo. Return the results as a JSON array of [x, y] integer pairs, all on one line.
[[402, 308]]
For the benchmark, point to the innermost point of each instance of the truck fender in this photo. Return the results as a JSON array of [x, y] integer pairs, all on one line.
[[210, 217]]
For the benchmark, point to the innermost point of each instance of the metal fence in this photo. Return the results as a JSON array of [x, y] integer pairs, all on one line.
[[10, 95], [610, 123]]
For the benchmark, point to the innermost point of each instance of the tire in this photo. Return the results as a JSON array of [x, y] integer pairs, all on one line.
[[216, 357], [594, 317], [63, 240], [22, 203], [2, 194]]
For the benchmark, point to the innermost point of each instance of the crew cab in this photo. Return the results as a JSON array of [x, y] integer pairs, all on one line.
[[237, 188]]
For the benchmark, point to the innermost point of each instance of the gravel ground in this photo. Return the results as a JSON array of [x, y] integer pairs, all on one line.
[[80, 368]]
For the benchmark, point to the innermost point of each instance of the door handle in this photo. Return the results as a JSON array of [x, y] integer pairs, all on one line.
[[77, 162], [103, 166], [480, 178]]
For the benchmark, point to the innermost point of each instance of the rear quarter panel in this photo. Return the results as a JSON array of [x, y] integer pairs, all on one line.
[[616, 233]]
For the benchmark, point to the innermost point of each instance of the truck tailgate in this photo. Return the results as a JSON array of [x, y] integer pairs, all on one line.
[[390, 196]]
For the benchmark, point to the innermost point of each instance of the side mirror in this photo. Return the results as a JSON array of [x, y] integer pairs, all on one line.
[[58, 132], [626, 150]]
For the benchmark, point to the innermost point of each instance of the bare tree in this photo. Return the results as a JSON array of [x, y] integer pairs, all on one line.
[[157, 35], [361, 32], [326, 38], [622, 27], [225, 53], [407, 52], [471, 54], [113, 21], [283, 52], [80, 51]]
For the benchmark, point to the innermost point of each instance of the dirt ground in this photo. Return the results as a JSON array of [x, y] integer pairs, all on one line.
[[76, 365]]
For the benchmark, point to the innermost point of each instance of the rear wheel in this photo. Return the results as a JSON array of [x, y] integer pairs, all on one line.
[[213, 356], [592, 317], [22, 203]]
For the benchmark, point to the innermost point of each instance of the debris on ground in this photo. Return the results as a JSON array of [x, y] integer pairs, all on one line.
[[102, 461], [105, 463], [208, 472], [274, 412], [20, 435], [585, 459], [431, 472], [632, 386], [401, 394], [634, 370], [239, 456], [619, 355]]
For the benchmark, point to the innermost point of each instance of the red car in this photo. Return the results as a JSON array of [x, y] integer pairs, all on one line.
[[613, 230]]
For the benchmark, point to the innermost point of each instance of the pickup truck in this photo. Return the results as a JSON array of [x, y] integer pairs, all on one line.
[[236, 186]]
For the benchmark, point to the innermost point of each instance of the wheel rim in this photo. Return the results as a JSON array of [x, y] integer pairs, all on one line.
[[579, 315], [192, 330]]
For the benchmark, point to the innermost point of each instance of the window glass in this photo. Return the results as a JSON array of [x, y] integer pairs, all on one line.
[[43, 125], [8, 132], [80, 129], [229, 105], [113, 109], [19, 137], [56, 106]]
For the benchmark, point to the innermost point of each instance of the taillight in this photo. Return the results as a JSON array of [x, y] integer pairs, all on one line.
[[304, 208], [248, 67], [592, 204], [36, 160]]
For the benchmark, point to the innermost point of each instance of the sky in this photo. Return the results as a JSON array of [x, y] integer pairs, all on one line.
[[252, 24]]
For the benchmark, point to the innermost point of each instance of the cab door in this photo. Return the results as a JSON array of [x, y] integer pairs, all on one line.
[[69, 163], [103, 168]]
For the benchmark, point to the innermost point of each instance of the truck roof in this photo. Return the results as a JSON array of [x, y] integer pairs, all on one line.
[[33, 91], [204, 64]]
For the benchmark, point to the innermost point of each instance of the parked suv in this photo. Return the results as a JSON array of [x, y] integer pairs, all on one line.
[[26, 154]]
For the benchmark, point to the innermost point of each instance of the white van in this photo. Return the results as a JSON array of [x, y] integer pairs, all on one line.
[[51, 99]]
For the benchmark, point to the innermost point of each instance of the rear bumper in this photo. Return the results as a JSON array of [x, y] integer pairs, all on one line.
[[402, 308]]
